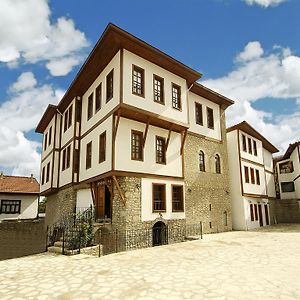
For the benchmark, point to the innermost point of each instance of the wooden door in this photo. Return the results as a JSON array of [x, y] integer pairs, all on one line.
[[100, 202], [267, 214], [260, 215]]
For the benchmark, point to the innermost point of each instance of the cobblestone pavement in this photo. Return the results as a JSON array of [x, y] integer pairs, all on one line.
[[261, 264]]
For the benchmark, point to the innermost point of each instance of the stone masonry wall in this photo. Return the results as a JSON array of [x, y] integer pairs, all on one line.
[[285, 211], [60, 205], [207, 194]]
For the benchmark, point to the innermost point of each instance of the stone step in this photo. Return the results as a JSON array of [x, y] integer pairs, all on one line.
[[192, 238], [55, 249], [58, 243]]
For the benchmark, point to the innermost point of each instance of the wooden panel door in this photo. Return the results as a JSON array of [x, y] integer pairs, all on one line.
[[100, 201], [260, 215], [267, 214]]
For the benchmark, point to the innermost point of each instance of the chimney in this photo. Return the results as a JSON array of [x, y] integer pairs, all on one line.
[[31, 178], [1, 175]]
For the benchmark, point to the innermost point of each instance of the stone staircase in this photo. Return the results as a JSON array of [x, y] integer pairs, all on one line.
[[58, 248]]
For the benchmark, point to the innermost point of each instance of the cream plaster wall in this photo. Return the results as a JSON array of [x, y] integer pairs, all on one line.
[[29, 206], [270, 185], [203, 129], [123, 162], [65, 176], [268, 160], [84, 199], [46, 185], [147, 102], [49, 148], [146, 192], [69, 133], [97, 168], [105, 107]]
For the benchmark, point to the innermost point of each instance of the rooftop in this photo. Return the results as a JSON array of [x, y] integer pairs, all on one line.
[[19, 184]]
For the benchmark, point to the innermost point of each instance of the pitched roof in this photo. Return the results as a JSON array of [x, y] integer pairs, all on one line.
[[247, 128], [18, 184], [290, 150]]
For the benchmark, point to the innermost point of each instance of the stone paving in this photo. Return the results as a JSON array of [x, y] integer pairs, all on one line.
[[263, 264]]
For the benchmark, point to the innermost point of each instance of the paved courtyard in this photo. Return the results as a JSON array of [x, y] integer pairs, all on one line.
[[262, 264]]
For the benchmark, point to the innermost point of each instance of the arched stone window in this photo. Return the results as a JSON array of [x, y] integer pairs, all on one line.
[[201, 161], [218, 164]]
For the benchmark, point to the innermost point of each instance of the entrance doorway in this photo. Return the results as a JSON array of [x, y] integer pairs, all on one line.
[[260, 215], [103, 203], [159, 234], [267, 214]]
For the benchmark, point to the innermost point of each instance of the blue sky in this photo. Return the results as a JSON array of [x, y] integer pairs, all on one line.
[[249, 50]]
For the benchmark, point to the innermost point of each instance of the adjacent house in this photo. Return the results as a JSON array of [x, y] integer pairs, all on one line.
[[137, 137], [251, 176], [288, 173], [18, 197]]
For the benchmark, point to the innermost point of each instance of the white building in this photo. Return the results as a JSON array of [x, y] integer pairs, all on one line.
[[251, 176], [288, 172], [18, 197], [117, 138]]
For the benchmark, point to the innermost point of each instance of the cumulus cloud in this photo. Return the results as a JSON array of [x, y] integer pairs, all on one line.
[[264, 3], [256, 76], [28, 35], [19, 115]]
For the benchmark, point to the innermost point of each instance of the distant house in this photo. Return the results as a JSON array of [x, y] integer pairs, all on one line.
[[251, 176], [288, 170], [18, 197]]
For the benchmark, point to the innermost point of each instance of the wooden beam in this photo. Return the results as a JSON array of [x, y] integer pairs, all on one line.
[[146, 133], [119, 190], [169, 135], [116, 125], [183, 141], [93, 193]]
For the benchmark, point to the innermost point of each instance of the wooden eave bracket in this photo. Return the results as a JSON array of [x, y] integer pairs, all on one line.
[[119, 190], [92, 185], [169, 135], [183, 137], [116, 124], [146, 132]]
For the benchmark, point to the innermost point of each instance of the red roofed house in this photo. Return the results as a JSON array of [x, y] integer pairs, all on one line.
[[18, 197]]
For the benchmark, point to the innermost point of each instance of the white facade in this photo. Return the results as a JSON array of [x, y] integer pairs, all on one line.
[[28, 206], [251, 179]]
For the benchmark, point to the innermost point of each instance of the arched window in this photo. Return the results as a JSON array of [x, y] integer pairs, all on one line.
[[218, 164], [201, 161]]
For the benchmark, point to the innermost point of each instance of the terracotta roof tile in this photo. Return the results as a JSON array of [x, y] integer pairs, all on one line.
[[18, 184]]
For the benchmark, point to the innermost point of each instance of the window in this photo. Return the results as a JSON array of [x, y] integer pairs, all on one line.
[[159, 197], [160, 150], [287, 187], [177, 198], [68, 118], [98, 97], [255, 212], [257, 177], [252, 175], [110, 85], [246, 170], [244, 143], [158, 89], [218, 164], [201, 161], [198, 113], [286, 167], [176, 96], [137, 81], [102, 147], [50, 136], [254, 148], [10, 206], [210, 224], [88, 157], [48, 172], [210, 118], [90, 106], [249, 146], [251, 212], [225, 218], [43, 175], [66, 158], [209, 207], [136, 145], [46, 141]]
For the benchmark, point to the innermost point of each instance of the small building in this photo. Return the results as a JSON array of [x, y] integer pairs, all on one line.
[[288, 172], [18, 197], [251, 176]]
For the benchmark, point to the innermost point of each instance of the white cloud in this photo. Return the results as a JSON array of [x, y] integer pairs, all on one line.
[[252, 50], [61, 67], [275, 75], [28, 35], [18, 115], [265, 3]]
